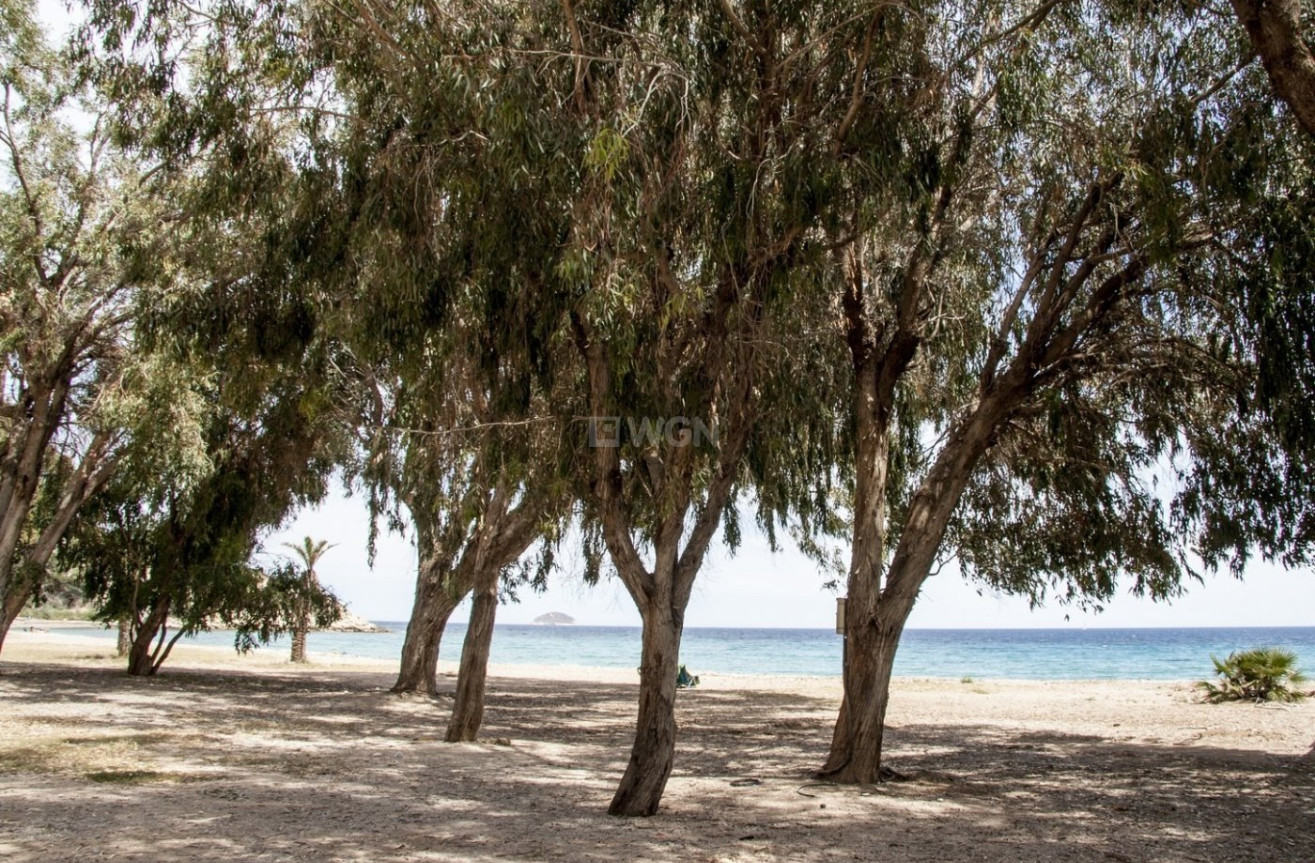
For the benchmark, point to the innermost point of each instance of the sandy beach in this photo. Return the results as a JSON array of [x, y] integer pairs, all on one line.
[[223, 757]]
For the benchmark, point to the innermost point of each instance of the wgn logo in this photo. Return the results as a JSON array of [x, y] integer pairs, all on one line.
[[649, 431]]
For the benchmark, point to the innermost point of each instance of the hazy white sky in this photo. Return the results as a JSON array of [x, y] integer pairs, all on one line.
[[758, 588]]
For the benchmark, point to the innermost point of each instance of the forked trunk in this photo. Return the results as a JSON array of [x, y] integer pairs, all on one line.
[[11, 580], [856, 744], [876, 613], [23, 457], [144, 650], [434, 604], [468, 710], [654, 750], [141, 657], [16, 586], [872, 627]]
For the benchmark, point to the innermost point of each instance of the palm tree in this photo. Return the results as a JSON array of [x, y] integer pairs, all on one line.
[[310, 552], [1261, 674]]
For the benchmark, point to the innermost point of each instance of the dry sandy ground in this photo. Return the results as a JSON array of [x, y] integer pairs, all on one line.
[[250, 759]]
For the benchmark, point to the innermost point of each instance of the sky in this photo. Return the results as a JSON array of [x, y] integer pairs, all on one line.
[[756, 588]]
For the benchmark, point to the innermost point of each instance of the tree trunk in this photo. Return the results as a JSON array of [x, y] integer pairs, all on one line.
[[12, 584], [10, 533], [875, 613], [871, 629], [141, 660], [299, 644], [141, 655], [1275, 30], [125, 637], [21, 466], [18, 583], [434, 603], [856, 744], [14, 602], [468, 710], [654, 750]]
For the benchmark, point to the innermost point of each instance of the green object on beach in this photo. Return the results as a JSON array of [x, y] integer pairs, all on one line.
[[685, 680], [1262, 674]]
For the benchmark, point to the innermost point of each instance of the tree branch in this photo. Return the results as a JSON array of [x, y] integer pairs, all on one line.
[[1274, 27]]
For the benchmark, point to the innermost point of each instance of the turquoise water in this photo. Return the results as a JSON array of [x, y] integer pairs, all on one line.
[[1161, 654]]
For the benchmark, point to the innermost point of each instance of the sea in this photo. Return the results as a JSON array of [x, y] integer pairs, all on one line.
[[1023, 654]]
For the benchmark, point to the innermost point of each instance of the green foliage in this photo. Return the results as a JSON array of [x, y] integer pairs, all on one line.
[[309, 552], [283, 601], [1260, 674], [440, 210], [84, 247], [58, 594], [1022, 286]]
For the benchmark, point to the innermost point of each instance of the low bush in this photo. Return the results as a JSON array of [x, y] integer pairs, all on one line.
[[1262, 674]]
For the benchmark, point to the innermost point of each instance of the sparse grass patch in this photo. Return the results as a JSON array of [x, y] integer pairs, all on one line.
[[133, 777], [59, 757], [61, 754]]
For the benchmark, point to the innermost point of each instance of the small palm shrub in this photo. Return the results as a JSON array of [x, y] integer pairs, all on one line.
[[1262, 674]]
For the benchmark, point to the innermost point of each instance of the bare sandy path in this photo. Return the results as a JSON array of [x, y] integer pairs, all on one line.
[[222, 758]]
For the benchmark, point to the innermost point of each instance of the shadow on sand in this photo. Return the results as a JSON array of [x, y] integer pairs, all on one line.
[[224, 766]]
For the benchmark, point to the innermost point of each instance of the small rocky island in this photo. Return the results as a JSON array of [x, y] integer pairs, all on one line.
[[554, 618], [354, 623]]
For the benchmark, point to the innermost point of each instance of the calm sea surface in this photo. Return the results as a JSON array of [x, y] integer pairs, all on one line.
[[1164, 654]]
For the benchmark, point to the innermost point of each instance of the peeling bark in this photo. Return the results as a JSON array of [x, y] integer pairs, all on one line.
[[468, 708], [653, 754], [435, 601]]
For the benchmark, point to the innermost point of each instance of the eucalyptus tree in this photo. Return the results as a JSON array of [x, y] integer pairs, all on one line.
[[476, 487], [250, 198], [675, 222], [1047, 353], [445, 371], [385, 223], [455, 441], [115, 547], [262, 362], [171, 542], [703, 236], [450, 367], [461, 438], [80, 235], [521, 510]]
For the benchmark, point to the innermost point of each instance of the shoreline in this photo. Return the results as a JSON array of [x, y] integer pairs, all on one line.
[[51, 638], [400, 625]]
